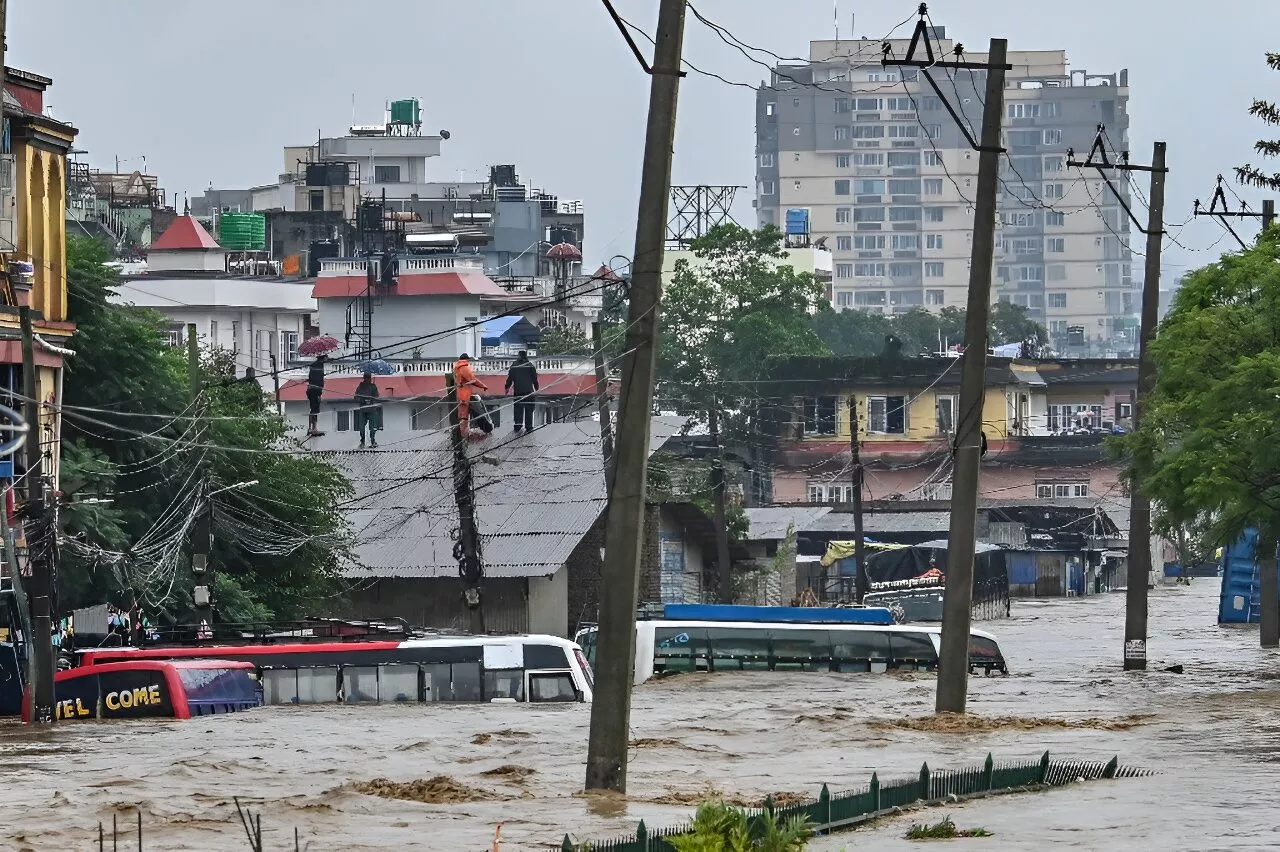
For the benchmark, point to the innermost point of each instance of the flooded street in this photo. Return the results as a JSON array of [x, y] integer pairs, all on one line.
[[1211, 733]]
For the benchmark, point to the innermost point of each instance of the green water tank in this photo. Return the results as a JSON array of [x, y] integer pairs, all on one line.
[[242, 231], [406, 112]]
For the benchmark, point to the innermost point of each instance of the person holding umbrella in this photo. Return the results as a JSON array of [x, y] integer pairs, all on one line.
[[368, 413], [315, 390]]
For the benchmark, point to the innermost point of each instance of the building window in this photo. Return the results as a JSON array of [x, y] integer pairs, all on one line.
[[869, 242], [288, 347], [1052, 136], [868, 158], [868, 187], [1052, 490], [264, 345], [1020, 219], [1057, 328], [1055, 218], [1023, 110], [902, 270], [176, 335], [316, 199], [1057, 300], [904, 186], [933, 214], [842, 187], [386, 174], [868, 270], [945, 404], [830, 493], [933, 269], [343, 418], [844, 299], [213, 332], [766, 161], [842, 215], [870, 104], [1054, 164], [868, 131], [844, 243], [934, 297], [887, 415], [844, 270], [1030, 273], [933, 241], [841, 104], [1053, 190], [1056, 245], [235, 337], [933, 158], [768, 187], [1124, 410], [904, 242], [932, 186], [820, 415], [933, 131], [770, 108], [868, 214], [841, 132], [904, 131], [930, 103], [904, 214], [1052, 109], [842, 161]]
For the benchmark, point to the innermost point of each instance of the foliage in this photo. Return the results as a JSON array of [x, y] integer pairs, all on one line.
[[944, 830], [132, 437], [921, 332], [720, 827], [1270, 114], [564, 340], [723, 316], [1206, 450], [675, 479]]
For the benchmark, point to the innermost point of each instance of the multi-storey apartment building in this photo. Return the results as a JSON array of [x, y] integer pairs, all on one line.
[[888, 176]]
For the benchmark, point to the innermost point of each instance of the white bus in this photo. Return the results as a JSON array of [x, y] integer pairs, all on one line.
[[665, 646]]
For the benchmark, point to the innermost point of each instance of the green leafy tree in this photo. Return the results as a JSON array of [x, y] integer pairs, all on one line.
[[130, 443], [1270, 114], [724, 315], [564, 340], [1010, 324], [672, 478], [1206, 450], [853, 333]]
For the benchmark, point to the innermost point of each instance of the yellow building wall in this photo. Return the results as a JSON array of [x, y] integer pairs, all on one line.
[[42, 230], [922, 418]]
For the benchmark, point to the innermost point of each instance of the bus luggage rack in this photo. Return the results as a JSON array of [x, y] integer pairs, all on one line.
[[305, 630]]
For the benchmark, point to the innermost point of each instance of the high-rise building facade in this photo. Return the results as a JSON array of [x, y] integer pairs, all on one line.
[[888, 176]]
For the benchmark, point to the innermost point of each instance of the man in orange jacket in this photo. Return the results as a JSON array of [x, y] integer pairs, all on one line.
[[466, 383]]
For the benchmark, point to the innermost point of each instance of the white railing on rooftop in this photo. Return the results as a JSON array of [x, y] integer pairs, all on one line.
[[360, 265], [484, 365]]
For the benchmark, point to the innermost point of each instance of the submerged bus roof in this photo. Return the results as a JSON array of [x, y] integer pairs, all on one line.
[[777, 614]]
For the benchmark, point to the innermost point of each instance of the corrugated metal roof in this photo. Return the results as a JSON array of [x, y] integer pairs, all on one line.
[[536, 497], [884, 522], [771, 523]]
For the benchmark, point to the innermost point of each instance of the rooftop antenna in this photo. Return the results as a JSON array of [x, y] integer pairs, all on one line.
[[835, 16]]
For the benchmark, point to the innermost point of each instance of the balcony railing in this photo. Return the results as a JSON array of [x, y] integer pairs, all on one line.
[[360, 265]]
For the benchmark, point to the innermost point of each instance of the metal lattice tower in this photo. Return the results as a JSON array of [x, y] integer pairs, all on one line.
[[697, 209]]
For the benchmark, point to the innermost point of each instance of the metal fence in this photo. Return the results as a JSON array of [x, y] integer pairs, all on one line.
[[832, 812]]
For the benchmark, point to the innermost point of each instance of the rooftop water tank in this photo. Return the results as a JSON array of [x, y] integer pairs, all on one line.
[[406, 112], [242, 231]]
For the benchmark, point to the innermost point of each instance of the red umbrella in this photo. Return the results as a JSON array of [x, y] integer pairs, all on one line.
[[322, 345]]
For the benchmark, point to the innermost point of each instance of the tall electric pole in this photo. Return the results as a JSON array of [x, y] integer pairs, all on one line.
[[40, 540], [202, 529], [1139, 569], [619, 588], [957, 605], [602, 403], [467, 549], [859, 537], [724, 564]]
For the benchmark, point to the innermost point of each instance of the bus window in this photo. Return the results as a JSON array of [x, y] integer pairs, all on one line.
[[807, 650], [912, 650], [456, 682], [738, 648], [318, 685], [984, 653], [857, 650], [549, 686], [360, 683], [587, 641], [280, 686], [674, 648], [504, 683], [546, 657], [398, 683]]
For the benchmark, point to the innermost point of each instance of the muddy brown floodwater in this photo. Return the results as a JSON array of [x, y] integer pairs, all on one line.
[[436, 777]]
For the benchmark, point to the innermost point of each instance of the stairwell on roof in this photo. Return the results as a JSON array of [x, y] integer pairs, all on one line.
[[186, 246]]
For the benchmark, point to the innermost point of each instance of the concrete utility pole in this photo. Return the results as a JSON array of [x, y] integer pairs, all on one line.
[[724, 564], [619, 589], [957, 605], [38, 544], [467, 548], [859, 538], [202, 529], [602, 403]]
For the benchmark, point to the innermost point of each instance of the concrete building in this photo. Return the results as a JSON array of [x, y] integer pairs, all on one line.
[[260, 319], [888, 177]]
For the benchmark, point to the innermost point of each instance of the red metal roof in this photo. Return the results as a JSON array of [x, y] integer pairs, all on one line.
[[406, 387], [604, 273], [185, 233], [422, 284]]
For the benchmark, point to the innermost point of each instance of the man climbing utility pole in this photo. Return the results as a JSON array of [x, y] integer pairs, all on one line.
[[619, 587]]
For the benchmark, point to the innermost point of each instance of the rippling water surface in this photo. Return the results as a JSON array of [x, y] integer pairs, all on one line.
[[1212, 736]]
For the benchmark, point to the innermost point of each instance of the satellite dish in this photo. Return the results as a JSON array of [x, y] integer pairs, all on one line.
[[444, 134]]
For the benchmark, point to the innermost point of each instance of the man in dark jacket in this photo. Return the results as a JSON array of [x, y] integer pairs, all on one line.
[[315, 390], [367, 411], [522, 379]]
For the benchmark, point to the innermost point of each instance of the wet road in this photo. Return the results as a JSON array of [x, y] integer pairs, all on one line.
[[1212, 736]]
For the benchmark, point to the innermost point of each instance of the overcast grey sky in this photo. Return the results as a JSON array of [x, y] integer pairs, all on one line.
[[211, 92]]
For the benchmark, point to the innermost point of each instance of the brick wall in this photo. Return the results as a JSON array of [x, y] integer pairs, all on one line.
[[651, 556]]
